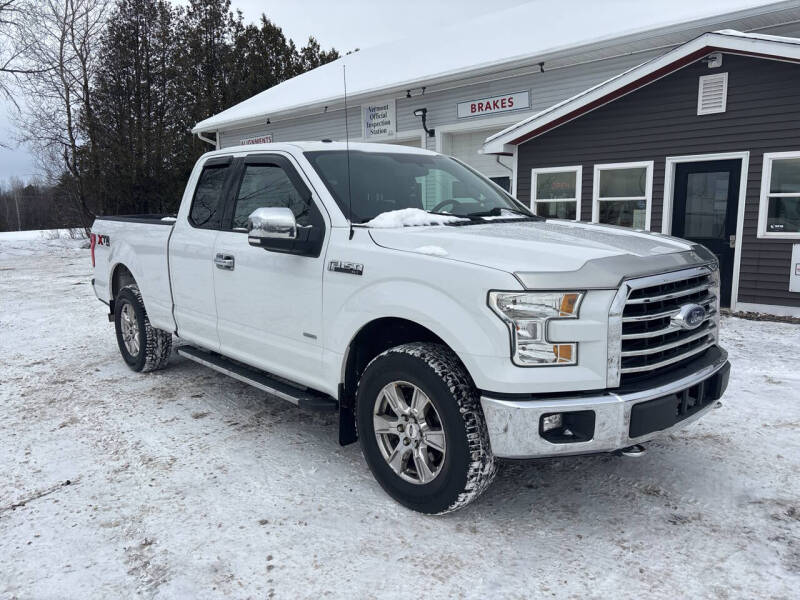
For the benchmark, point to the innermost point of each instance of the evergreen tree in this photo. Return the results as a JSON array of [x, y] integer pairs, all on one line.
[[139, 110], [162, 69]]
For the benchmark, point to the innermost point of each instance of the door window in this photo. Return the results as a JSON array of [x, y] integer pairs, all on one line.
[[706, 204], [268, 185], [208, 201]]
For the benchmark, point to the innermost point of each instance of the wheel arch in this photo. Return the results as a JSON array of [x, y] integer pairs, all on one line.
[[373, 338], [121, 276]]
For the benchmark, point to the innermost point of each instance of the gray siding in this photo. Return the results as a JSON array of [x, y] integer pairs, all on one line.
[[660, 120], [546, 89]]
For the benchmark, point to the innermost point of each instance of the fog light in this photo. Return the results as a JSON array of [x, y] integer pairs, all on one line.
[[552, 422], [567, 427]]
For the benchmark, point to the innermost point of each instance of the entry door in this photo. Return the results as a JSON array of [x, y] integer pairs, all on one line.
[[269, 304], [704, 210]]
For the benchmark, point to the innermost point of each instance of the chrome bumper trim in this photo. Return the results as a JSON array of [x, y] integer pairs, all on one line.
[[514, 424]]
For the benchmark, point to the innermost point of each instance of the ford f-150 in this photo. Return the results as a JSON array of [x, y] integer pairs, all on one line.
[[445, 322]]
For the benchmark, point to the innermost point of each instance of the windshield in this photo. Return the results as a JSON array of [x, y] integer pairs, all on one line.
[[387, 181]]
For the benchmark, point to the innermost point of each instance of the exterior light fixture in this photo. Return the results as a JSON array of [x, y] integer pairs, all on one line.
[[422, 113]]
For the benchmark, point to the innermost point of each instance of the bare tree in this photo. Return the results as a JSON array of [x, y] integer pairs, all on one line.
[[13, 63], [57, 118]]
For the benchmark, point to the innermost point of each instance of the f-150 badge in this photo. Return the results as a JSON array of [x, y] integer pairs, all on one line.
[[346, 267]]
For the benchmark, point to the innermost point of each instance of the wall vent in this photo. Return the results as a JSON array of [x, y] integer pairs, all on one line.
[[712, 94]]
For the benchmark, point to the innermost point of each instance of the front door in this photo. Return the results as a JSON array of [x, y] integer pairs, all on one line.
[[704, 211], [269, 304]]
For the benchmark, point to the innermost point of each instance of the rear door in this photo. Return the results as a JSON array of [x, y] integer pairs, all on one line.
[[269, 304], [191, 255]]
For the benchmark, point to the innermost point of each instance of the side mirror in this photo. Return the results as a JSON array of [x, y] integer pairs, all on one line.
[[267, 225]]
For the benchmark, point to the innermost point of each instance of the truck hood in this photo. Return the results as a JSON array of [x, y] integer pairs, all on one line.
[[539, 251]]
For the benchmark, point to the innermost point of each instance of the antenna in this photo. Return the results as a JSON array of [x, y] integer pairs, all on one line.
[[347, 150]]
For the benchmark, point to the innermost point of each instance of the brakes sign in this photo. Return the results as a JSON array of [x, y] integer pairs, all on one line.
[[494, 104]]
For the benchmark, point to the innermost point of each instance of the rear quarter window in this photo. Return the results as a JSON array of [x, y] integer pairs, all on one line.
[[208, 201]]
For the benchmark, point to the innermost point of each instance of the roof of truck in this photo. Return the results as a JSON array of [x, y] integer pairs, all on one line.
[[310, 146], [536, 31]]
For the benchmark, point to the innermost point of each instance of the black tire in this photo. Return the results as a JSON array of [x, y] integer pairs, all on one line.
[[468, 465], [155, 345]]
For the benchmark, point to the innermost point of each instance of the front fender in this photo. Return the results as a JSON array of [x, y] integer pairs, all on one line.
[[458, 316]]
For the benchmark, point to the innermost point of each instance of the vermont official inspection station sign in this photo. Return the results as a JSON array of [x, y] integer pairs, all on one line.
[[494, 104], [378, 120]]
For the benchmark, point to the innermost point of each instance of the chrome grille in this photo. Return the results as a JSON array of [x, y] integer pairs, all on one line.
[[649, 340]]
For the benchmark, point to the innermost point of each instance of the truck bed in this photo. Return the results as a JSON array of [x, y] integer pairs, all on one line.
[[140, 243]]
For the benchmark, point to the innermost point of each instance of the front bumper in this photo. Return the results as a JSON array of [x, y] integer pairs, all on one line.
[[611, 420]]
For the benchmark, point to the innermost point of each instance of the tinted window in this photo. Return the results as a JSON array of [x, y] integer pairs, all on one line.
[[269, 186], [207, 204]]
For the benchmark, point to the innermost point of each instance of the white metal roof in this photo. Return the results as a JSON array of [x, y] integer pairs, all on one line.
[[572, 108], [537, 29]]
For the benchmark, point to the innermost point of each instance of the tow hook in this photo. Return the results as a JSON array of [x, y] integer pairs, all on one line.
[[718, 404], [634, 451]]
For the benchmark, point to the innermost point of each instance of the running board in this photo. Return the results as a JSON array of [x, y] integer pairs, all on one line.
[[299, 396]]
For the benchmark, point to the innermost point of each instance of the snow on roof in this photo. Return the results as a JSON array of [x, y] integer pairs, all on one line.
[[527, 31], [726, 39]]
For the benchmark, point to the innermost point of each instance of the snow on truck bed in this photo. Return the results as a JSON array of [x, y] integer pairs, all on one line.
[[187, 484]]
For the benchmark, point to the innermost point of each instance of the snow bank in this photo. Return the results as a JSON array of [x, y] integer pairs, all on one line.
[[40, 241], [409, 217], [40, 234], [431, 250]]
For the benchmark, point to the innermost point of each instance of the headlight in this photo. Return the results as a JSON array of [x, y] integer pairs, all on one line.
[[715, 290], [527, 315]]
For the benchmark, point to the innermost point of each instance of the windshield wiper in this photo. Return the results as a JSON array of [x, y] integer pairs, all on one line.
[[497, 211]]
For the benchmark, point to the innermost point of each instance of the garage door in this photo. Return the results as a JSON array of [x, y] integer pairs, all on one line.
[[464, 146]]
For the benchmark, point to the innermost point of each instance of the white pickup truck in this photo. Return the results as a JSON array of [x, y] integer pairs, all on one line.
[[446, 323]]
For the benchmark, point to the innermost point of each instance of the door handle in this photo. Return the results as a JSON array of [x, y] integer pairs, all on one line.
[[224, 261], [732, 241]]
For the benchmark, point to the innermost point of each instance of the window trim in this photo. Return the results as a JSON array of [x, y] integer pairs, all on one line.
[[763, 198], [280, 161], [598, 168], [577, 169]]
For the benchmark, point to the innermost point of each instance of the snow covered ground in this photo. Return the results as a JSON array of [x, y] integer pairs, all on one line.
[[187, 484]]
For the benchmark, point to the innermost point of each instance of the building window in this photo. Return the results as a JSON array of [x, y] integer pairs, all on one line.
[[779, 208], [557, 192], [622, 194]]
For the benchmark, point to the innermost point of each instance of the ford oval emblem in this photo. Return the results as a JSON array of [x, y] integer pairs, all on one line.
[[690, 316]]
